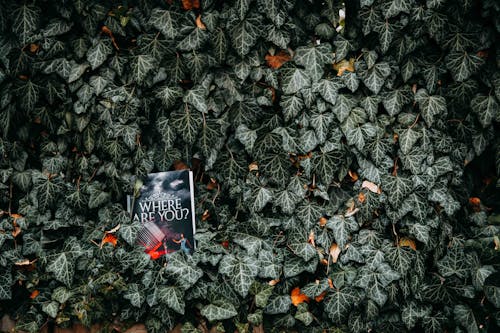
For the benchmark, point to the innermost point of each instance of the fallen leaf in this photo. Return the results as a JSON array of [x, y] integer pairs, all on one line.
[[320, 297], [322, 221], [225, 243], [34, 294], [298, 297], [483, 54], [17, 230], [330, 283], [108, 32], [180, 165], [274, 282], [323, 262], [34, 48], [24, 262], [206, 215], [310, 239], [496, 240], [253, 167], [190, 4], [212, 184], [109, 238], [361, 197], [334, 252], [407, 242], [115, 229], [200, 24], [277, 60], [371, 187], [354, 176], [16, 216], [474, 201], [344, 65]]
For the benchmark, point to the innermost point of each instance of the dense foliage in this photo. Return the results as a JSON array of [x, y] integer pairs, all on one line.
[[347, 170]]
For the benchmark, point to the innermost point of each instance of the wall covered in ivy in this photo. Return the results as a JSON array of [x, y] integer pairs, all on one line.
[[346, 159]]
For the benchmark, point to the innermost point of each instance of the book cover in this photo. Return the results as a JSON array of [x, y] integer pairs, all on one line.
[[164, 207]]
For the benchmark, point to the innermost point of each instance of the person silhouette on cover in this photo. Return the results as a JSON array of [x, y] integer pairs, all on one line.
[[184, 243]]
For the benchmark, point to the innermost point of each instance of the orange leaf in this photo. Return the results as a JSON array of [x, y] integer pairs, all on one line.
[[371, 187], [253, 167], [320, 297], [199, 23], [274, 282], [330, 283], [353, 175], [277, 60], [34, 48], [361, 197], [310, 239], [206, 215], [34, 294], [298, 297], [408, 242], [180, 165], [322, 221], [335, 252], [190, 4], [474, 201], [212, 184], [109, 238]]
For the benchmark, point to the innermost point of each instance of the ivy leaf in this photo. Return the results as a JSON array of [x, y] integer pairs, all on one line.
[[430, 106], [246, 136], [51, 308], [134, 295], [182, 270], [342, 228], [302, 249], [98, 52], [241, 272], [453, 263], [220, 311], [63, 268], [251, 243], [291, 106], [25, 22], [169, 95], [493, 295], [294, 80], [164, 21], [244, 36], [407, 138], [325, 164], [262, 196], [329, 89], [412, 313], [374, 77], [5, 285], [339, 302], [173, 297], [186, 123], [480, 274], [313, 58], [397, 188], [465, 317], [486, 108], [278, 304], [462, 64], [141, 66]]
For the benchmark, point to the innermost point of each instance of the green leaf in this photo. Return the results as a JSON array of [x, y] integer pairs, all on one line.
[[412, 313], [241, 272], [374, 77], [294, 80], [407, 138], [134, 295], [278, 304], [246, 136], [186, 123], [397, 189], [173, 297], [194, 41], [251, 243], [244, 36], [25, 22], [465, 317], [462, 64], [430, 106], [325, 164], [302, 249], [453, 263], [63, 268], [394, 100], [51, 308], [165, 21], [183, 270], [480, 274], [61, 294], [321, 123], [291, 106], [486, 108], [342, 227], [98, 53], [141, 66], [287, 201], [314, 58], [493, 295], [169, 95], [339, 302], [222, 310], [5, 284], [261, 197], [329, 89]]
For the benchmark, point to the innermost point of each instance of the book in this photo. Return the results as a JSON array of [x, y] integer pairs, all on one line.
[[164, 206]]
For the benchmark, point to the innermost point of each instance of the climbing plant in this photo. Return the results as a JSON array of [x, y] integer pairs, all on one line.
[[346, 158]]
